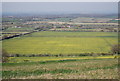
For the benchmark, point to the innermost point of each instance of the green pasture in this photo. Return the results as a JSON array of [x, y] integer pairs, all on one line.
[[48, 42], [24, 29], [47, 59]]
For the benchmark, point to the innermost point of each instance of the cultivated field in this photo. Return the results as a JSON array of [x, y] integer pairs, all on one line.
[[66, 43]]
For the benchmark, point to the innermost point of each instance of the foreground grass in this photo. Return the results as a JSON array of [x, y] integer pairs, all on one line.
[[80, 69]]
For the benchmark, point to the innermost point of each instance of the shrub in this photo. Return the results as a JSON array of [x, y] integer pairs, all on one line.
[[116, 49], [5, 56]]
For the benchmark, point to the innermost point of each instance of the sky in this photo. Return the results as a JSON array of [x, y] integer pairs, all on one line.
[[60, 7], [60, 0]]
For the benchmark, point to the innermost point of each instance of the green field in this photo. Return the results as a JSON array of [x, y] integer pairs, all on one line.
[[79, 69], [48, 42], [22, 29], [47, 59]]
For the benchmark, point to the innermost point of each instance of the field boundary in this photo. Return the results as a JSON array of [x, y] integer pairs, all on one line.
[[55, 59]]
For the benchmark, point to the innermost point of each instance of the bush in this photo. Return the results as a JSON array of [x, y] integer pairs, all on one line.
[[5, 56], [116, 49], [17, 55]]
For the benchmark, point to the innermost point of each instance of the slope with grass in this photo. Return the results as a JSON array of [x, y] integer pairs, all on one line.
[[80, 69]]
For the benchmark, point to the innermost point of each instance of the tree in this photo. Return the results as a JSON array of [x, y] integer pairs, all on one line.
[[116, 49], [5, 56]]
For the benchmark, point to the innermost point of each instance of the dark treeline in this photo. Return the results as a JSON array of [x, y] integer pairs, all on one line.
[[59, 55], [16, 35]]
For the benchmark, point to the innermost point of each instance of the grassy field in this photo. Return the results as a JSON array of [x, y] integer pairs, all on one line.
[[47, 59], [48, 42], [85, 19], [79, 69], [22, 29]]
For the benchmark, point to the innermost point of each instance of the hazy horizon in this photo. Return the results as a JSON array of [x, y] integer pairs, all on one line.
[[59, 7]]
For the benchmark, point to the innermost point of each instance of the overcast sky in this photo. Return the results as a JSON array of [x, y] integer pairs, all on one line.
[[60, 0], [60, 7]]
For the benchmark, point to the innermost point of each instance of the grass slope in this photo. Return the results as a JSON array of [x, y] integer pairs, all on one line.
[[81, 69]]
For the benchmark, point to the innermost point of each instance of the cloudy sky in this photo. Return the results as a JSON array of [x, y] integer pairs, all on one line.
[[60, 7]]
